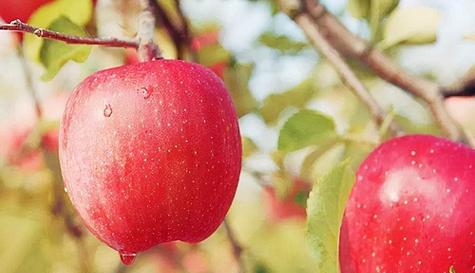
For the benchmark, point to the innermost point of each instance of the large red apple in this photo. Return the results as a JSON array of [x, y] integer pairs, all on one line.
[[412, 209], [151, 153]]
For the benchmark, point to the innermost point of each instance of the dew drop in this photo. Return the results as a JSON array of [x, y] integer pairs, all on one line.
[[107, 111], [146, 92], [127, 258]]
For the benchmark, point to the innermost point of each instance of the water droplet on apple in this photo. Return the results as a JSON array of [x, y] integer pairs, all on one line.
[[127, 258], [107, 111], [146, 92]]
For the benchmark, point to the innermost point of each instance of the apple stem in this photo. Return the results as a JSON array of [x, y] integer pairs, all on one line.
[[147, 50], [19, 26]]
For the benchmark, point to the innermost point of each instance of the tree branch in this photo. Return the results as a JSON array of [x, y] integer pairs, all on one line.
[[171, 29], [355, 47], [180, 35], [18, 26], [236, 246], [349, 78], [29, 82], [148, 50], [185, 29]]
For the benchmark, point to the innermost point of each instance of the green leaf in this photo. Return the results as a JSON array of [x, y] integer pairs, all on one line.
[[414, 25], [322, 159], [236, 78], [359, 8], [325, 208], [281, 42], [298, 96], [374, 11], [379, 10], [212, 54], [305, 128], [54, 54], [78, 11]]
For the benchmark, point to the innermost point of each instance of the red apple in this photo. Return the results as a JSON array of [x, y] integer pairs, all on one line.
[[22, 121], [210, 39], [131, 56], [204, 39], [412, 209], [289, 207], [151, 153], [19, 9]]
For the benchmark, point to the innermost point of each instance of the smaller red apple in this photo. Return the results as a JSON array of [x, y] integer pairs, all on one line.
[[291, 206], [412, 209]]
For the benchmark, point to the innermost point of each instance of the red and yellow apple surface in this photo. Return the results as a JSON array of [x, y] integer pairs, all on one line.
[[151, 153]]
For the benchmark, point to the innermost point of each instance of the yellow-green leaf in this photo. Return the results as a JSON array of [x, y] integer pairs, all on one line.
[[325, 208], [236, 78], [78, 11], [213, 54], [414, 25], [359, 8], [379, 10], [281, 43], [297, 97], [305, 128], [371, 10], [54, 54]]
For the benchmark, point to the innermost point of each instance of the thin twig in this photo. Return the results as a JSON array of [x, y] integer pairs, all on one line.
[[29, 82], [315, 36], [148, 50], [351, 45], [237, 249], [185, 30], [18, 26]]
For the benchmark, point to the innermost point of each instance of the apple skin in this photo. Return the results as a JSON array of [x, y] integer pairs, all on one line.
[[151, 153], [412, 209], [19, 9]]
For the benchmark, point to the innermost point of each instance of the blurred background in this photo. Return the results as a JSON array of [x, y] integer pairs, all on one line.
[[272, 73]]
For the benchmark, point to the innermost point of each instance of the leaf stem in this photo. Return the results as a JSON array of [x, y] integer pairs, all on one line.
[[237, 249]]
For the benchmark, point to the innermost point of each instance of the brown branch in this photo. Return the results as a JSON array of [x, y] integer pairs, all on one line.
[[237, 249], [465, 87], [172, 30], [355, 47], [185, 30], [18, 26], [315, 36], [148, 50], [180, 35]]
